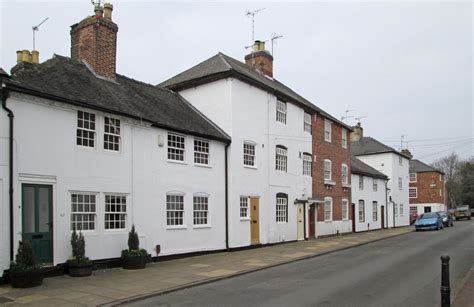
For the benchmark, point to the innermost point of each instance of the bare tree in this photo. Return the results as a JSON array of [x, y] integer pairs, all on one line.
[[450, 166]]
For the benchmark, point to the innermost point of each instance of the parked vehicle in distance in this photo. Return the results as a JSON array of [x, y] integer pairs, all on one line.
[[447, 218], [463, 212], [472, 211], [413, 217], [429, 221]]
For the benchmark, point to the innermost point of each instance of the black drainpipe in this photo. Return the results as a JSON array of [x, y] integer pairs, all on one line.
[[386, 204], [10, 180], [226, 201]]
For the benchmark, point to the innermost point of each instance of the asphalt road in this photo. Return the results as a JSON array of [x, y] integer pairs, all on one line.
[[400, 271]]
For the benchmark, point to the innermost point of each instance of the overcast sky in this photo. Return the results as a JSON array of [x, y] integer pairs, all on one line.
[[406, 67]]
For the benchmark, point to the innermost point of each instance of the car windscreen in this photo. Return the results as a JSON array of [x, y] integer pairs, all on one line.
[[431, 215]]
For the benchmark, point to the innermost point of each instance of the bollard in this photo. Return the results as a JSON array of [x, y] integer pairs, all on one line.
[[445, 288]]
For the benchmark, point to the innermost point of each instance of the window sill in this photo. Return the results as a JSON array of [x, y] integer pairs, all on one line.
[[327, 221], [203, 165], [281, 172], [202, 226], [115, 231], [329, 182], [328, 141], [244, 219], [282, 223], [250, 167], [176, 227], [177, 162], [346, 185]]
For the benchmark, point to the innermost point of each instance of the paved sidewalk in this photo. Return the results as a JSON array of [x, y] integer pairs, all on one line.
[[115, 286]]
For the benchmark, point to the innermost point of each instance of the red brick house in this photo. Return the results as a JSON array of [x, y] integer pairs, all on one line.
[[427, 188]]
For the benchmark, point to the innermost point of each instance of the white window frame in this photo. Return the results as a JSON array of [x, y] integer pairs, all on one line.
[[174, 150], [375, 185], [375, 211], [244, 207], [327, 170], [344, 137], [84, 213], [413, 177], [178, 213], [345, 209], [413, 192], [414, 209], [202, 150], [327, 130], [281, 208], [117, 215], [361, 182], [328, 209], [395, 209], [249, 154], [86, 130], [307, 123], [344, 174], [281, 111], [201, 210], [307, 164], [281, 158], [400, 161], [112, 134], [361, 211], [401, 210], [400, 183]]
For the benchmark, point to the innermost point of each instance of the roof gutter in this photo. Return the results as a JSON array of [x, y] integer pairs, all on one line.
[[5, 94]]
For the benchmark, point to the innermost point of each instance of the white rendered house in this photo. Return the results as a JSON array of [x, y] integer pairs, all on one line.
[[100, 152], [395, 166], [369, 197]]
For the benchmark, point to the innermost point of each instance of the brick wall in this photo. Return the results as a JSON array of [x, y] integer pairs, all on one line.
[[263, 62], [429, 186], [338, 155], [94, 40]]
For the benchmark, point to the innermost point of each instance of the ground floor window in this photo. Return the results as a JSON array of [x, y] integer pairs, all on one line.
[[174, 210], [375, 211], [345, 209], [83, 211], [361, 211], [395, 209], [401, 210], [328, 209], [115, 211], [414, 209], [282, 207], [201, 210], [244, 207]]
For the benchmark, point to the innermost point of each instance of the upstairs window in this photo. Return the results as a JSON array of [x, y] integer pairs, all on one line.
[[361, 182], [201, 152], [307, 164], [111, 134], [327, 130], [400, 183], [249, 154], [375, 186], [281, 112], [281, 159], [413, 177], [344, 138], [344, 174], [307, 122], [175, 147], [400, 160], [413, 192], [401, 209], [282, 208], [85, 135], [327, 170], [361, 211]]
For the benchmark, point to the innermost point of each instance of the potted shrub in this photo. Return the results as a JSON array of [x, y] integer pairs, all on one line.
[[24, 272], [134, 257], [79, 265]]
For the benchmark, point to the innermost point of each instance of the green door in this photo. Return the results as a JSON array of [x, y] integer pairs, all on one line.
[[37, 214]]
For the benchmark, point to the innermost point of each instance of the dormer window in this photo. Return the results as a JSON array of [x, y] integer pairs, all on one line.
[[281, 112], [111, 134]]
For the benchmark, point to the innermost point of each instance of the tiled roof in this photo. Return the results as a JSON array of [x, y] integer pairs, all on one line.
[[369, 146], [222, 66], [71, 81], [360, 168], [416, 166]]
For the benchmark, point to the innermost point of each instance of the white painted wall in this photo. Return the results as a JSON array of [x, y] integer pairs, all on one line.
[[435, 207], [47, 152], [388, 164], [253, 118], [4, 184], [369, 196]]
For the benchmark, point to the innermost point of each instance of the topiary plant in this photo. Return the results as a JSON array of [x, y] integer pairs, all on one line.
[[25, 258], [78, 245], [133, 241], [134, 257]]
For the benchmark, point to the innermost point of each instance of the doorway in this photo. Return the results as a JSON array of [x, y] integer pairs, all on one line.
[[312, 221], [254, 221], [382, 211], [300, 220], [37, 217]]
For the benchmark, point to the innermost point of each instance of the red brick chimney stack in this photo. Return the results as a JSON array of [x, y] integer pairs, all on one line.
[[94, 41], [260, 59]]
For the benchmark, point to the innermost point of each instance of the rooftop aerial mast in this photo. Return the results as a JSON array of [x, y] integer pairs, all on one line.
[[36, 28]]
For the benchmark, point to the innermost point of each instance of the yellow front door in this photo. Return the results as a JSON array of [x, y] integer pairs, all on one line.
[[300, 221], [254, 221]]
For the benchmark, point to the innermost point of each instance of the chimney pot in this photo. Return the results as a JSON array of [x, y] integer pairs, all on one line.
[[25, 56], [358, 133], [108, 8], [35, 57], [18, 56], [99, 11]]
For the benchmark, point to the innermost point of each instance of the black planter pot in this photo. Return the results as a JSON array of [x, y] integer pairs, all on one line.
[[80, 269], [26, 279], [134, 263]]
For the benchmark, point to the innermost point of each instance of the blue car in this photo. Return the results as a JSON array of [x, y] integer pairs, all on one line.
[[429, 221]]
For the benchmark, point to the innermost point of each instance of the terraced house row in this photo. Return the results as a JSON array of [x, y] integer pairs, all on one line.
[[220, 156]]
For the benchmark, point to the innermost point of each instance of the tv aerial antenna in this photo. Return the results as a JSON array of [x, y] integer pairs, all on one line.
[[252, 14], [36, 28], [96, 2], [346, 116], [275, 37], [359, 118]]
